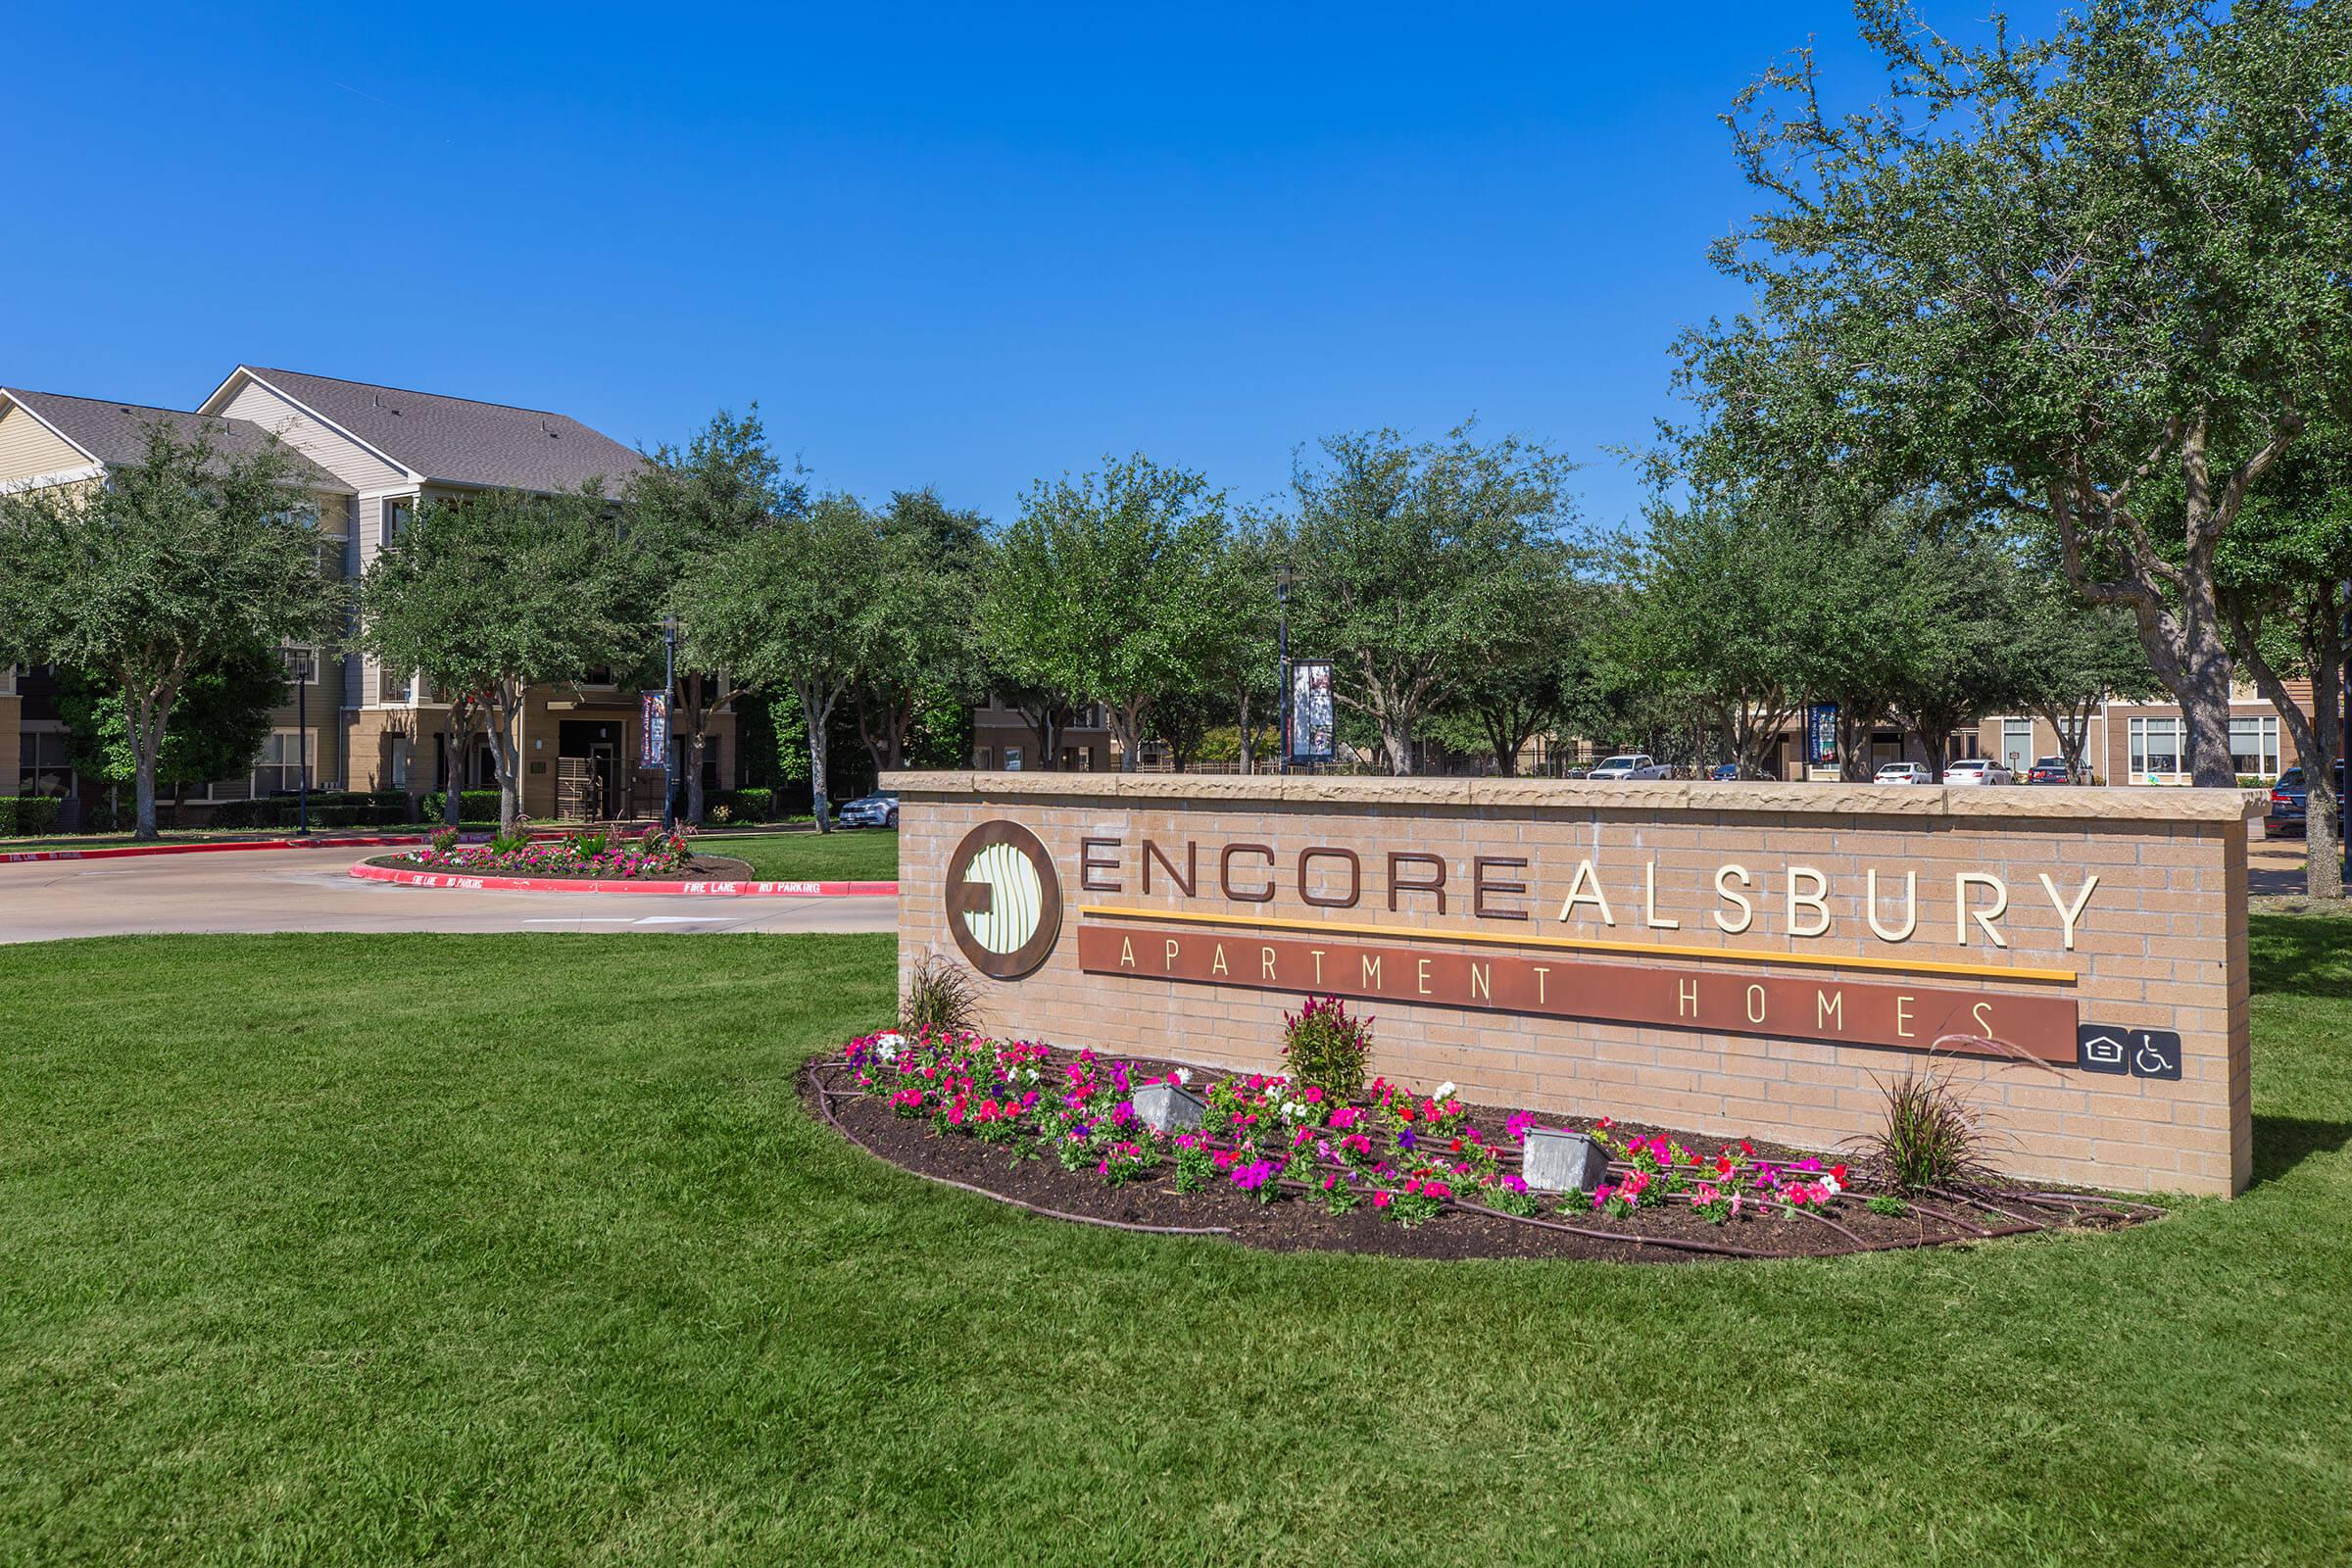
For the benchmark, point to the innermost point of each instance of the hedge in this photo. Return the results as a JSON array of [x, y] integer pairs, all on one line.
[[27, 814], [329, 808], [474, 806]]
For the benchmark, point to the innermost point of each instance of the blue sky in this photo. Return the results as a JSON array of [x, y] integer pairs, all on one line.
[[936, 247]]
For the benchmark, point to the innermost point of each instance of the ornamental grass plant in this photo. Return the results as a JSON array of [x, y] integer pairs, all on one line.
[[1929, 1138]]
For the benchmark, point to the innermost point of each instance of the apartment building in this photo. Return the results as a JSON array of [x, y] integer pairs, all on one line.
[[371, 455]]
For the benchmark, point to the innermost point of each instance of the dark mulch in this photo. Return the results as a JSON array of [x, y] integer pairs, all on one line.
[[1297, 1221], [701, 869]]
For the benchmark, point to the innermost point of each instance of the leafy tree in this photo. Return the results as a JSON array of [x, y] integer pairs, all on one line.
[[685, 506], [1968, 590], [492, 593], [1106, 589], [1405, 559], [2039, 275], [919, 660], [2074, 655], [217, 725], [2285, 571], [1543, 620], [793, 607], [1710, 616], [180, 559]]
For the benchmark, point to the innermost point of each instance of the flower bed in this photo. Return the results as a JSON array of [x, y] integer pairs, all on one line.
[[1397, 1171], [653, 856]]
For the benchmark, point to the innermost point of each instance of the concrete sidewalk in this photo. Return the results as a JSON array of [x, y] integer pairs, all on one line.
[[312, 890]]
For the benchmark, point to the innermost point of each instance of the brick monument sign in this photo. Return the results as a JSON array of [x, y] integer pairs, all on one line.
[[1731, 959]]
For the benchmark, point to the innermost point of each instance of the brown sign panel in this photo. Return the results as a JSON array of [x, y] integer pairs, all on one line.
[[1897, 1017], [1004, 899]]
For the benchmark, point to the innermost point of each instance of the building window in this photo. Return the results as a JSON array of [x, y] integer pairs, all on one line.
[[2017, 743], [278, 771], [2254, 746], [2158, 747], [396, 519], [1012, 758], [985, 759], [43, 766], [392, 686]]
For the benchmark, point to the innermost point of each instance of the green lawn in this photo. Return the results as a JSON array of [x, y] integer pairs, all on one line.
[[848, 855], [375, 1249]]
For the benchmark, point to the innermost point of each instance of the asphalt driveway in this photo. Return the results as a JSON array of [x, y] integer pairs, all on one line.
[[311, 889]]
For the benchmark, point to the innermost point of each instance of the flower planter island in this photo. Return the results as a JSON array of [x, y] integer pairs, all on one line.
[[1769, 1007]]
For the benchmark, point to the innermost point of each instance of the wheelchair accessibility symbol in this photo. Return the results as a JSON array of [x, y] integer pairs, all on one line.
[[2142, 1052]]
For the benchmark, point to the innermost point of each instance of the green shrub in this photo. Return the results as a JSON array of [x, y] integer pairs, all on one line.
[[740, 806], [509, 843], [28, 815], [474, 806], [1324, 1047], [327, 809]]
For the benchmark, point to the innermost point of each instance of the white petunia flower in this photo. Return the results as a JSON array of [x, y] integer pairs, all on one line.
[[1445, 1091], [1184, 1075]]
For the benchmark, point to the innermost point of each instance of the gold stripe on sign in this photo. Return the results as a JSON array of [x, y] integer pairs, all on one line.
[[1639, 950]]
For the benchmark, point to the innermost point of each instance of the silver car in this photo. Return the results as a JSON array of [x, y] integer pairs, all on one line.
[[871, 810], [1977, 771]]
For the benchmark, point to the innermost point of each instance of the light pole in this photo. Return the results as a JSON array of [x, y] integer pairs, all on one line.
[[302, 720], [669, 744], [1281, 671]]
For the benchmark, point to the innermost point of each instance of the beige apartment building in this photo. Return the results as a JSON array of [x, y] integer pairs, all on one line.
[[372, 454]]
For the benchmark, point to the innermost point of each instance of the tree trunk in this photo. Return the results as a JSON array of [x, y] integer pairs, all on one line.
[[694, 776], [147, 729], [505, 746], [815, 715], [1127, 726], [144, 794], [453, 771], [2204, 694]]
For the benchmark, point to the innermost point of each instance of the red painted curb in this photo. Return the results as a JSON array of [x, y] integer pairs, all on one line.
[[406, 878], [117, 852]]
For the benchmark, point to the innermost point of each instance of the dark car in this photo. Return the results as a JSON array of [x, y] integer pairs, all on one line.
[[2049, 770], [2290, 803]]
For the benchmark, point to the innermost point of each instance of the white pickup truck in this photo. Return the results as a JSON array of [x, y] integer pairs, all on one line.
[[1631, 764]]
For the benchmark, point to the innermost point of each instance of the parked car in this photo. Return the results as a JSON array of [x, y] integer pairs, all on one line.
[[1726, 773], [1630, 764], [1977, 771], [1902, 773], [869, 811], [2290, 803], [2049, 770]]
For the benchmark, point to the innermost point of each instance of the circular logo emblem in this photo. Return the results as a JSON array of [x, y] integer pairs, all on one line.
[[1004, 899]]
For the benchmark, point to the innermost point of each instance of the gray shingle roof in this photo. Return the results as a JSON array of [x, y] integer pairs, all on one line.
[[460, 441], [115, 432]]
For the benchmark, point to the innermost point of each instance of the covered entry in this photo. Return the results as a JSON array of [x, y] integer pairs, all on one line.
[[588, 777]]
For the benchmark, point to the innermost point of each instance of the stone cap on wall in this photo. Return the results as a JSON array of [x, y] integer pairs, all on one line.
[[2044, 802]]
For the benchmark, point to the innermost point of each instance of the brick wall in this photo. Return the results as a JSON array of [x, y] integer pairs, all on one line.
[[2160, 944]]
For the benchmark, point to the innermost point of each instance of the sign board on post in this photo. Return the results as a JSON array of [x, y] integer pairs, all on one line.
[[653, 725], [1314, 737]]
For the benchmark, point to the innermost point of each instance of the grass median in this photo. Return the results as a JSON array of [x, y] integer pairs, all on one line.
[[846, 855], [521, 1248]]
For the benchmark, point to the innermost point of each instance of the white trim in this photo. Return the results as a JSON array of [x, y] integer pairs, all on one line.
[[275, 390], [47, 481]]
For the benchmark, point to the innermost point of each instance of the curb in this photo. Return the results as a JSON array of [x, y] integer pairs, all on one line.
[[119, 852], [540, 884]]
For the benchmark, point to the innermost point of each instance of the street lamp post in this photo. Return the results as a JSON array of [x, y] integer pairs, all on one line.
[[302, 721], [1282, 672], [669, 724]]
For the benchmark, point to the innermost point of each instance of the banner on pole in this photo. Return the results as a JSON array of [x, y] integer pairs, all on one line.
[[1823, 729], [1314, 737], [653, 708]]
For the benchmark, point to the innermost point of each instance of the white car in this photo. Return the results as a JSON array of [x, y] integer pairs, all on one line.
[[1903, 773], [1977, 771], [1631, 764]]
